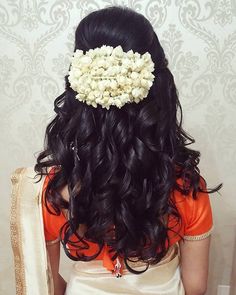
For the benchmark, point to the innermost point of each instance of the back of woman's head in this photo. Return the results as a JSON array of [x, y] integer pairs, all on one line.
[[121, 165]]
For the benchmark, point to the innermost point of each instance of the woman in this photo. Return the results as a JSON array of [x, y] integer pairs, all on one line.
[[123, 191]]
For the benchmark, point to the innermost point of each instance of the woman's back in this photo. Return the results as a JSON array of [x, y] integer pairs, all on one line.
[[133, 187]]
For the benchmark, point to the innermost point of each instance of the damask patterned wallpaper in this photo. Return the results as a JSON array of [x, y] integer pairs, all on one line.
[[199, 38]]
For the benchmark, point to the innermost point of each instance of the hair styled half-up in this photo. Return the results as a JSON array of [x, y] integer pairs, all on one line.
[[121, 165]]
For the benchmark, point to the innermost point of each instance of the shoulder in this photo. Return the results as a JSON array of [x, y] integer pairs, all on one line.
[[196, 214], [63, 191], [52, 220]]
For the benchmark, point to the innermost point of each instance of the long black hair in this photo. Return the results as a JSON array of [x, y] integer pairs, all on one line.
[[121, 165]]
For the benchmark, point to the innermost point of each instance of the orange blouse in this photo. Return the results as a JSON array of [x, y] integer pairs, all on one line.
[[196, 216]]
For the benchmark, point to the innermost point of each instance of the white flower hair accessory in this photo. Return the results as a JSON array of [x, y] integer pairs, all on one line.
[[109, 76]]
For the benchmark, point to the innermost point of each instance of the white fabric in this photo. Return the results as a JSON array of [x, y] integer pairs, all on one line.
[[92, 278], [32, 270]]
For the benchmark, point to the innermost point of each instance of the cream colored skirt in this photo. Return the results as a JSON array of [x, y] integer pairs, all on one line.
[[93, 278]]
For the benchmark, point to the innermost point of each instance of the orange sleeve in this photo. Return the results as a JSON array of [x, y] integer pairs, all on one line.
[[52, 223], [196, 217], [199, 221]]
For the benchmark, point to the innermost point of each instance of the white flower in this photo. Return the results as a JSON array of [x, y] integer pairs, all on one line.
[[121, 80], [109, 76], [113, 84], [134, 75], [118, 51]]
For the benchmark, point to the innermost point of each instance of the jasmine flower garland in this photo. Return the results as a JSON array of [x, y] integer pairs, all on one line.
[[109, 76]]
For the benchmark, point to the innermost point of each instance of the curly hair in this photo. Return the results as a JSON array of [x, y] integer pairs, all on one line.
[[120, 165]]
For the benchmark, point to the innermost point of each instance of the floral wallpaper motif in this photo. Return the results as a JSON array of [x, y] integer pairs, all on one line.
[[199, 38]]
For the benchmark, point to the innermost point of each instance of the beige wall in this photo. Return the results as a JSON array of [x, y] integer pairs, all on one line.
[[199, 38]]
